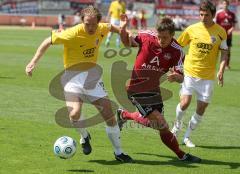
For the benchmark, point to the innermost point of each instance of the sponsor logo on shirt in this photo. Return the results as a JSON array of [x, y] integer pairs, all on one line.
[[89, 52], [205, 46]]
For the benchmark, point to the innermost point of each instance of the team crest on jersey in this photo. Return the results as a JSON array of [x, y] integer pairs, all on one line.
[[167, 56], [213, 39], [159, 49]]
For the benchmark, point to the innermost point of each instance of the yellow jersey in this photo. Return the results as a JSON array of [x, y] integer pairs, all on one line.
[[116, 9], [79, 46], [204, 45]]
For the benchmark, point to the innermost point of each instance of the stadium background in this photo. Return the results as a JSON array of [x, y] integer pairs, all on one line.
[[47, 12]]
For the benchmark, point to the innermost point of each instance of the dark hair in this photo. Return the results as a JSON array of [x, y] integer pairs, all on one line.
[[91, 11], [207, 5], [227, 1], [165, 24]]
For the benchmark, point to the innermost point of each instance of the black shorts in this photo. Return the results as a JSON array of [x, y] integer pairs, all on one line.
[[229, 42], [147, 102]]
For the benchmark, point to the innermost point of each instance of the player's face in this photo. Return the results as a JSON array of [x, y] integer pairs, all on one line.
[[225, 5], [206, 17], [164, 38], [90, 24]]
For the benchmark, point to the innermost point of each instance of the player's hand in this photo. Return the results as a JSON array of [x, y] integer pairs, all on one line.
[[123, 21], [173, 76], [29, 68], [220, 78]]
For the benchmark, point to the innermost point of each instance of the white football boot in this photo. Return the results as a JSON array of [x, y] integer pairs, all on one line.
[[177, 127], [188, 142]]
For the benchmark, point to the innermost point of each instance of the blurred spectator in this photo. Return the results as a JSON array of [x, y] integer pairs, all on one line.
[[227, 20], [116, 8], [143, 19], [134, 21], [61, 21], [76, 18], [180, 23]]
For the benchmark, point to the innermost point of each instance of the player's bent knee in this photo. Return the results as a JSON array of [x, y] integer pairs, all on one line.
[[158, 125], [184, 104], [111, 121], [74, 115]]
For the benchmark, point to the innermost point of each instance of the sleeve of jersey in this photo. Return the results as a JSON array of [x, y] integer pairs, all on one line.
[[62, 37], [216, 19], [124, 8], [110, 8], [184, 38], [138, 38], [179, 62]]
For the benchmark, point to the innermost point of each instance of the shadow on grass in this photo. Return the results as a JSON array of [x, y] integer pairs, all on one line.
[[220, 147], [104, 162], [233, 69], [173, 162], [2, 77], [232, 165], [81, 170]]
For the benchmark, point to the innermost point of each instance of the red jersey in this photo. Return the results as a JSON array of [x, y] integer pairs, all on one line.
[[226, 19], [153, 61]]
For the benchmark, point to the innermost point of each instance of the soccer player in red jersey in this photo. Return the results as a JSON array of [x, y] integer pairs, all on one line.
[[158, 54], [227, 20]]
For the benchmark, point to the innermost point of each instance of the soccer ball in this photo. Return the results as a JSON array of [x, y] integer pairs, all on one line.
[[65, 147]]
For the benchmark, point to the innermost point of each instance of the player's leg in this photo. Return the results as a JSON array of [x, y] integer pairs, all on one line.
[[118, 41], [185, 100], [124, 115], [74, 105], [204, 89], [142, 101], [152, 113], [112, 129], [116, 22], [70, 84], [194, 122], [98, 97], [158, 122], [228, 60], [107, 42], [229, 44]]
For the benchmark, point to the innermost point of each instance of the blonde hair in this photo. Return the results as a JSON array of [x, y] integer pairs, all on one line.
[[91, 11]]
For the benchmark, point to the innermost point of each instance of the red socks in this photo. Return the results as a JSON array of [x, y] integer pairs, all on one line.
[[171, 142], [166, 136], [136, 116]]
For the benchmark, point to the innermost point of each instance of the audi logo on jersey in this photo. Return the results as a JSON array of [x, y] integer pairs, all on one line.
[[205, 46], [89, 52]]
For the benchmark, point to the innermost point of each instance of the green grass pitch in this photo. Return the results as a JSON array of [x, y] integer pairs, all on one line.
[[28, 128]]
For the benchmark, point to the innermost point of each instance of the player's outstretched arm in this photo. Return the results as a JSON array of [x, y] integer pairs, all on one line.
[[126, 36], [224, 57], [40, 51]]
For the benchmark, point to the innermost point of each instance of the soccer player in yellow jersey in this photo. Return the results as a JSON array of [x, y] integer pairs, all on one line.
[[205, 40], [81, 80], [116, 8]]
